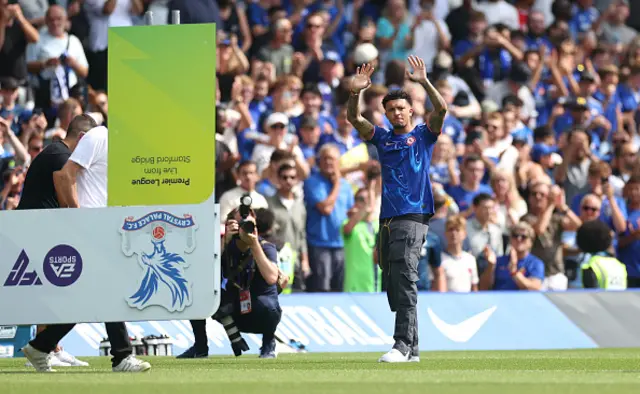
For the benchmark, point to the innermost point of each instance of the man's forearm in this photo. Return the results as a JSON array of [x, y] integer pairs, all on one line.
[[435, 97], [364, 127], [65, 188], [30, 32], [268, 269], [439, 107], [487, 278]]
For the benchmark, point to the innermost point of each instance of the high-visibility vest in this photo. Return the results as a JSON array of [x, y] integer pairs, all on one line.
[[287, 258], [610, 273]]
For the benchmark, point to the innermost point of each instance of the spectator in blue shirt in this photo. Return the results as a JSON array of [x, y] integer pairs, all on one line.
[[471, 186], [345, 137], [537, 33], [585, 16], [629, 244], [519, 270], [614, 209], [328, 197], [309, 133], [9, 110], [312, 100], [629, 94]]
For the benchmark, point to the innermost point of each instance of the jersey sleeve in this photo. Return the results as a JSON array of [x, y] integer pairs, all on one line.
[[87, 150], [430, 135], [379, 136]]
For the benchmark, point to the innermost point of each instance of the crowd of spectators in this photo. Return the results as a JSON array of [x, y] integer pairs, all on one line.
[[541, 134]]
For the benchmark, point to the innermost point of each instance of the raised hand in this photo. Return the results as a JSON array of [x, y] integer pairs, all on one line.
[[362, 79], [489, 255], [419, 73]]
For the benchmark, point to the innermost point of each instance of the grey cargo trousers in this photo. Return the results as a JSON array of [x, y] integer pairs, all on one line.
[[399, 243]]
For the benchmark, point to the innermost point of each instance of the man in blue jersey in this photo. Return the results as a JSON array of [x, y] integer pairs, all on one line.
[[407, 199]]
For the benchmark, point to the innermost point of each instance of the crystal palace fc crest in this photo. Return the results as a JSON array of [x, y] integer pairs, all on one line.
[[160, 240]]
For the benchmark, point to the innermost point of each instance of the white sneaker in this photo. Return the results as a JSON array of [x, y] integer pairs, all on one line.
[[55, 362], [132, 364], [394, 356], [414, 359], [41, 361], [69, 359]]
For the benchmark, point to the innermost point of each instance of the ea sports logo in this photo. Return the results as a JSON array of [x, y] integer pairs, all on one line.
[[411, 140], [158, 233]]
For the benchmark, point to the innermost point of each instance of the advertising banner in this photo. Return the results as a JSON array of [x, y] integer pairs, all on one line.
[[162, 100], [363, 323], [153, 253]]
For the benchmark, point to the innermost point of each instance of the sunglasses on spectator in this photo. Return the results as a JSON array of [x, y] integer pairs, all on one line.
[[590, 209], [360, 199], [519, 237], [278, 126]]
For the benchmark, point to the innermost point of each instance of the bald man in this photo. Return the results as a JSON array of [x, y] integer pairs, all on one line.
[[57, 57]]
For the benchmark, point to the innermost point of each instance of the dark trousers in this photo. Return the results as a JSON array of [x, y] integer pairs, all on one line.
[[327, 269], [47, 340], [98, 69], [264, 319], [399, 248]]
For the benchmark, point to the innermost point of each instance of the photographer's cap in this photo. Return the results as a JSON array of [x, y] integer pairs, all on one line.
[[277, 118]]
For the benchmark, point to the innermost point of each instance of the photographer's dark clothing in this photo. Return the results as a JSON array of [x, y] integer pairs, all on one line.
[[39, 191], [265, 312]]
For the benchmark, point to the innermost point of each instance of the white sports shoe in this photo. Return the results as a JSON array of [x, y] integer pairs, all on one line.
[[394, 356], [41, 361], [69, 359], [132, 364], [414, 359]]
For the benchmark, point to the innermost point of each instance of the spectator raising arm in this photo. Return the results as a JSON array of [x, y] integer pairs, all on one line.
[[137, 7], [326, 206], [360, 82], [30, 32], [21, 152], [487, 278]]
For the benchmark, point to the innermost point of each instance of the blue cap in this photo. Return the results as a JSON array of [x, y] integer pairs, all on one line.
[[540, 150], [332, 56]]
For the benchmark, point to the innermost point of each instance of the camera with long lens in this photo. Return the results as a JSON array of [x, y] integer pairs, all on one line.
[[246, 225]]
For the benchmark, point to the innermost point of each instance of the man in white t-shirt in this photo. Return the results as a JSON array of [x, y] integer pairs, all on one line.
[[87, 167], [58, 57], [86, 172], [460, 268]]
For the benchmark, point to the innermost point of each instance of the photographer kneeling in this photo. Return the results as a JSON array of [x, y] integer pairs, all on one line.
[[251, 282]]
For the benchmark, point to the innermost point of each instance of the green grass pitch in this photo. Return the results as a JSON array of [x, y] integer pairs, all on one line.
[[522, 372]]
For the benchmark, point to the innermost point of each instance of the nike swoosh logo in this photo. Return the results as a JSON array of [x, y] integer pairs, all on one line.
[[465, 330]]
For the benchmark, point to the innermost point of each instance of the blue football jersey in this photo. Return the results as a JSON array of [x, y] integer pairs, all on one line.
[[405, 161]]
